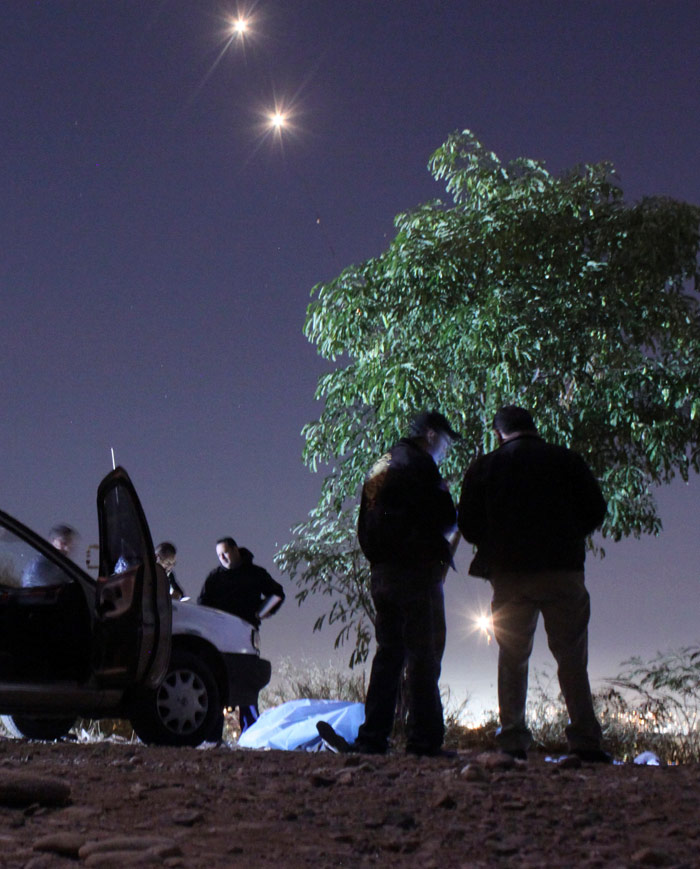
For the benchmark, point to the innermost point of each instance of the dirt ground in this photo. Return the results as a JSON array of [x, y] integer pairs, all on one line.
[[110, 804]]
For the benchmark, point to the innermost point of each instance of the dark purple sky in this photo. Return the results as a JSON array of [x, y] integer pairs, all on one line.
[[158, 251]]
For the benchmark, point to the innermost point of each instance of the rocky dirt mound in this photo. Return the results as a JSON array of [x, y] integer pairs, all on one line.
[[107, 804]]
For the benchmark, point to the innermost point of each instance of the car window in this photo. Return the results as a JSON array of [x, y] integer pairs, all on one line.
[[23, 566], [123, 538]]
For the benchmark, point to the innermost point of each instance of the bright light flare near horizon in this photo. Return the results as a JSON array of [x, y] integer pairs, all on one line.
[[483, 623]]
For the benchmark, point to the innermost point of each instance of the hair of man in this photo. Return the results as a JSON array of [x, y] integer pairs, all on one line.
[[511, 419], [166, 549], [62, 532]]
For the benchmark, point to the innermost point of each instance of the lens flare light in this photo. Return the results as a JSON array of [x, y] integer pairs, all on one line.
[[483, 623], [240, 26], [277, 119]]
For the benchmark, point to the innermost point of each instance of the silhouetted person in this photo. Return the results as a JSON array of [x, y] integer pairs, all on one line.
[[406, 517], [529, 507], [166, 556], [243, 589], [41, 571]]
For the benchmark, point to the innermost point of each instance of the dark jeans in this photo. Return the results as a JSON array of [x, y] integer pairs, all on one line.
[[410, 632], [562, 598]]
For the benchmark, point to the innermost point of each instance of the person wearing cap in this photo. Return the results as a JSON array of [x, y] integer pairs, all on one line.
[[529, 507], [244, 589], [406, 517]]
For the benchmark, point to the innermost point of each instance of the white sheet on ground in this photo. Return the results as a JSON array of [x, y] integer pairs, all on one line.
[[293, 724]]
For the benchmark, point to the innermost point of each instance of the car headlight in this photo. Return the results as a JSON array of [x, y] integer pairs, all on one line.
[[255, 639]]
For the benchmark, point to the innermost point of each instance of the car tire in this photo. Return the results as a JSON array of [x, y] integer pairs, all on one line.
[[184, 707], [30, 727]]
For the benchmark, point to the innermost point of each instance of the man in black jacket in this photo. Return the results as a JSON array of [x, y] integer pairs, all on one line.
[[406, 516], [243, 589], [529, 506], [240, 587]]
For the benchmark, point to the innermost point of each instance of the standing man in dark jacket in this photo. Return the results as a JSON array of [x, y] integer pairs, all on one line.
[[239, 587], [406, 516], [529, 506], [243, 589]]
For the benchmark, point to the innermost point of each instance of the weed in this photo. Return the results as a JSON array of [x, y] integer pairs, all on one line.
[[652, 706], [295, 679]]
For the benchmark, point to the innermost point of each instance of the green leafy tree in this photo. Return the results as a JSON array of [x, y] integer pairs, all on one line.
[[530, 288]]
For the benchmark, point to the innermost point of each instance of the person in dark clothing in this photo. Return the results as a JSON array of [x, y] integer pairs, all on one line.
[[243, 589], [42, 572], [166, 556], [406, 517], [529, 507], [240, 587]]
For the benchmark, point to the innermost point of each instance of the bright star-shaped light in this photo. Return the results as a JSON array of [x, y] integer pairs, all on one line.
[[278, 120], [240, 26], [483, 623]]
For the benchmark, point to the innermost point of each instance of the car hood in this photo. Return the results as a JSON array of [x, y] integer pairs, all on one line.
[[227, 632]]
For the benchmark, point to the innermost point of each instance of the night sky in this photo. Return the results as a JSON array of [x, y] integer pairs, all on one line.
[[159, 245]]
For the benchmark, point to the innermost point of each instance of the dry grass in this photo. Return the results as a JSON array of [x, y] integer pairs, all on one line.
[[652, 706]]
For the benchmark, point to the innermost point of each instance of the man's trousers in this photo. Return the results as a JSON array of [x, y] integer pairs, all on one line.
[[410, 632], [562, 598]]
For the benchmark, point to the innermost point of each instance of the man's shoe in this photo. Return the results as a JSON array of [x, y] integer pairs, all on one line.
[[516, 753], [340, 745], [592, 755], [334, 740]]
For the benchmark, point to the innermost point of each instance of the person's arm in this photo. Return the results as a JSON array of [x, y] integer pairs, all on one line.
[[270, 606], [202, 599], [590, 504], [453, 542], [427, 498], [273, 594], [177, 591], [470, 512]]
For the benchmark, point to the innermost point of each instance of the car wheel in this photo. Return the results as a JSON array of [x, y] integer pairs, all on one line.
[[30, 727], [184, 707]]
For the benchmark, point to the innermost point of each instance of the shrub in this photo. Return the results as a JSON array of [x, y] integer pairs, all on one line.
[[655, 706], [301, 678]]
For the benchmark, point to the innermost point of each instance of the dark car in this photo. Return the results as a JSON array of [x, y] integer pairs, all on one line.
[[117, 646]]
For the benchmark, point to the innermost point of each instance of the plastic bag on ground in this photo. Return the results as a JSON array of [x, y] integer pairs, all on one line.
[[647, 758], [293, 724]]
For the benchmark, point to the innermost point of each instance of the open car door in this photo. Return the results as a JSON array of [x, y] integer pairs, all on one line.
[[132, 603]]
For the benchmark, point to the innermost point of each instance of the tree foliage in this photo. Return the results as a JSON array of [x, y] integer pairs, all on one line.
[[542, 290]]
